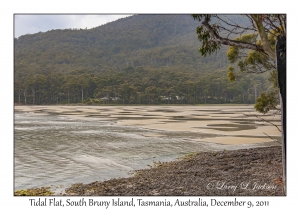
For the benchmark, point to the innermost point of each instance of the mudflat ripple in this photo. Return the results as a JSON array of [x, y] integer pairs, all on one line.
[[56, 145]]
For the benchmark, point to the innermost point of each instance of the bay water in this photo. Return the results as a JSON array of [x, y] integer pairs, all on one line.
[[54, 150]]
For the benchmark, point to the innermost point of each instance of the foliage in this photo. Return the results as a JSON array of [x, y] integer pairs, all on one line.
[[266, 102], [230, 74], [252, 45]]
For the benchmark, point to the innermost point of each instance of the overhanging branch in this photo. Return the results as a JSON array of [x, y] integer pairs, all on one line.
[[215, 37]]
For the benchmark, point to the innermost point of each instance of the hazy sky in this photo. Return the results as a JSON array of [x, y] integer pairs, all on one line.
[[30, 24]]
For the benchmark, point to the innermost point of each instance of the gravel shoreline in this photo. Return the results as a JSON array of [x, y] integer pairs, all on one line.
[[245, 172]]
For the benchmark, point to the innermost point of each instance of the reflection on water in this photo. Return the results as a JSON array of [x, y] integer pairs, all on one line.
[[55, 150]]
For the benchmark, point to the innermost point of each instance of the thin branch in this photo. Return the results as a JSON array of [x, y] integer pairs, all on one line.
[[232, 31], [281, 24], [263, 120], [251, 20], [235, 24], [274, 26], [255, 71], [260, 68], [272, 138], [215, 37]]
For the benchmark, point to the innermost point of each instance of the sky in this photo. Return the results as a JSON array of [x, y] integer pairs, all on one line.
[[34, 23]]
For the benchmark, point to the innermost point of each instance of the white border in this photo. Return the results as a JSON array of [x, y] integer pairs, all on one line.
[[8, 8]]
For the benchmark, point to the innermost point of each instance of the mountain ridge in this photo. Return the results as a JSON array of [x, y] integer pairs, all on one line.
[[138, 59]]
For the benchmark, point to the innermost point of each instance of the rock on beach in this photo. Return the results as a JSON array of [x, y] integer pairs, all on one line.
[[245, 172]]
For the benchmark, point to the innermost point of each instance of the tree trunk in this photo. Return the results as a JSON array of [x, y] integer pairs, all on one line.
[[19, 96], [243, 97], [25, 96], [258, 22], [33, 96], [281, 68], [68, 96]]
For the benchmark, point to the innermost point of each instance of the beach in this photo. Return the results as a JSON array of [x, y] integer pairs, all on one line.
[[246, 172], [246, 149], [234, 124]]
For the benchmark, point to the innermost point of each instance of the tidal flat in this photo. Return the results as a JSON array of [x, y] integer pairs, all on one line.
[[62, 145]]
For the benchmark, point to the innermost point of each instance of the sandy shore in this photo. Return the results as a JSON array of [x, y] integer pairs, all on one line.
[[207, 173], [246, 172], [233, 124]]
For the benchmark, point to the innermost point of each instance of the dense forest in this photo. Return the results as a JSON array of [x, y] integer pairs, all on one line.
[[141, 59]]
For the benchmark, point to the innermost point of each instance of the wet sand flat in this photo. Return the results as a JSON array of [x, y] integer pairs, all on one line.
[[233, 124]]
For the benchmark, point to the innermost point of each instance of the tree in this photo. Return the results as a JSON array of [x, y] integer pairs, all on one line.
[[82, 83], [255, 47], [151, 94]]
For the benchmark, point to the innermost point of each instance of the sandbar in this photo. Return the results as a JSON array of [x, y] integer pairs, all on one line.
[[229, 122]]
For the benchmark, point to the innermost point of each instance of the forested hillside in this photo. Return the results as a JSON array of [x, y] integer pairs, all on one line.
[[142, 59]]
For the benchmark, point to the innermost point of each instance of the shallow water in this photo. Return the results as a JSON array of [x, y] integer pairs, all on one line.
[[58, 150]]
